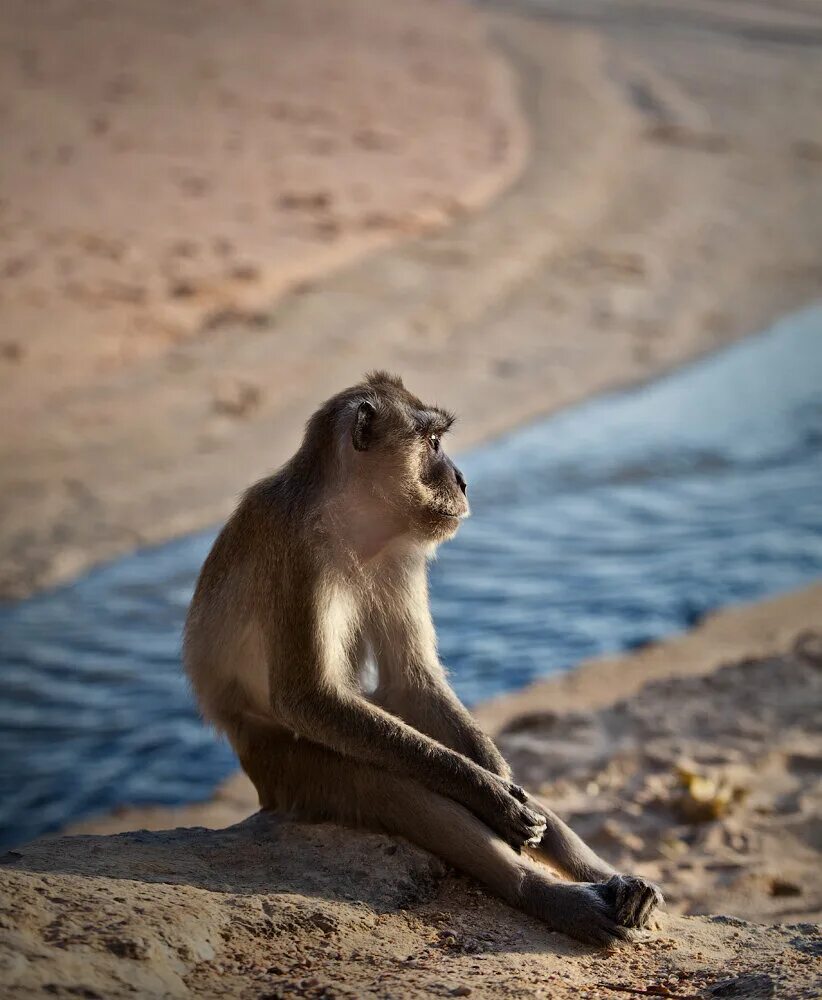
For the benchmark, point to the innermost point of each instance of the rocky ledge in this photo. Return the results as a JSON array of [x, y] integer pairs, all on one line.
[[269, 908]]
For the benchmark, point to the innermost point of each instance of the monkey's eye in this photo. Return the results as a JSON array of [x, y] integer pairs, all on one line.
[[434, 441]]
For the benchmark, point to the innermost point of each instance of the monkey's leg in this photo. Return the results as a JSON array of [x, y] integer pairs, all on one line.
[[318, 784], [435, 710]]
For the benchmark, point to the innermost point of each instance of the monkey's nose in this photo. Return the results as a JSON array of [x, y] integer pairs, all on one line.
[[461, 482]]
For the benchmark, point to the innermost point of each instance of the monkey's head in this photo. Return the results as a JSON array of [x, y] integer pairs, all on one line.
[[392, 450]]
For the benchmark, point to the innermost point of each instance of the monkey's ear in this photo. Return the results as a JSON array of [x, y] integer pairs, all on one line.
[[363, 423]]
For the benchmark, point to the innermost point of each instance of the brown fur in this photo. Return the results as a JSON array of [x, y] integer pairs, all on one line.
[[321, 569]]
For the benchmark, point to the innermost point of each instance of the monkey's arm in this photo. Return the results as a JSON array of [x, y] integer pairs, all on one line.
[[433, 708], [428, 703], [414, 686], [346, 722]]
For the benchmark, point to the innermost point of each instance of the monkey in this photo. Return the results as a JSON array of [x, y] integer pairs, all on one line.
[[321, 570]]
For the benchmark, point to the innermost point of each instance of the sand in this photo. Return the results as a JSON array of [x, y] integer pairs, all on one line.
[[672, 201], [270, 909], [169, 170]]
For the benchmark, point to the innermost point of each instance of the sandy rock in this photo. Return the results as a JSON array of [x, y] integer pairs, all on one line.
[[269, 908]]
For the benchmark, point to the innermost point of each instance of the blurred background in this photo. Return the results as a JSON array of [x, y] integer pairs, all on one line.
[[213, 215]]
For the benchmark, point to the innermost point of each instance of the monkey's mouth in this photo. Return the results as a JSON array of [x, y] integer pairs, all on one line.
[[451, 515]]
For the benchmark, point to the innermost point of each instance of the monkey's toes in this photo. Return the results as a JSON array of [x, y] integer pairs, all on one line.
[[634, 899], [582, 911]]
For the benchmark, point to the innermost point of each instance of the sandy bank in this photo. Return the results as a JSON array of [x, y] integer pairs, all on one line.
[[673, 201], [270, 909], [170, 170]]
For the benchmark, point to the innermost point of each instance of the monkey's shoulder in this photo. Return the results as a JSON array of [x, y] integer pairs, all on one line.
[[262, 543]]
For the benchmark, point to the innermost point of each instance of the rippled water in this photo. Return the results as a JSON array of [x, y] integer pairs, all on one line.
[[599, 529]]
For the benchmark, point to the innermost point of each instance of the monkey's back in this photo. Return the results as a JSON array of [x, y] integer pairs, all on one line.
[[235, 617]]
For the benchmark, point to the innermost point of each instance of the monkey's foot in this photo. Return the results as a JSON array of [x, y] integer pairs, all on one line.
[[577, 909], [633, 899]]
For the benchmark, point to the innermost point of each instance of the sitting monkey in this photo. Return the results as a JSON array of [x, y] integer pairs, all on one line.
[[322, 567]]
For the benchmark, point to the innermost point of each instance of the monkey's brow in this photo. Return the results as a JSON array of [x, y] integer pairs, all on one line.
[[434, 420]]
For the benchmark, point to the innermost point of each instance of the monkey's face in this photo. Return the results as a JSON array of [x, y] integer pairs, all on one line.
[[399, 439], [442, 495]]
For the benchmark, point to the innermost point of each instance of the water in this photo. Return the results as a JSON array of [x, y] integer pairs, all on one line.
[[602, 528]]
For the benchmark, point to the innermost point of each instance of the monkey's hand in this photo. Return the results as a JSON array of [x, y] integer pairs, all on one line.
[[633, 899], [503, 808], [519, 793]]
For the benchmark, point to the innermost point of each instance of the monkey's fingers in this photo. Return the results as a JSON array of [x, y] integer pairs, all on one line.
[[539, 832], [519, 793], [531, 831], [517, 825]]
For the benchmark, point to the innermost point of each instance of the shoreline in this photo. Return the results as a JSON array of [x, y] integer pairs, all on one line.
[[637, 237], [741, 631]]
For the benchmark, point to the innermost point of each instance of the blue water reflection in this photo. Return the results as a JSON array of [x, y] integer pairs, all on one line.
[[602, 528]]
